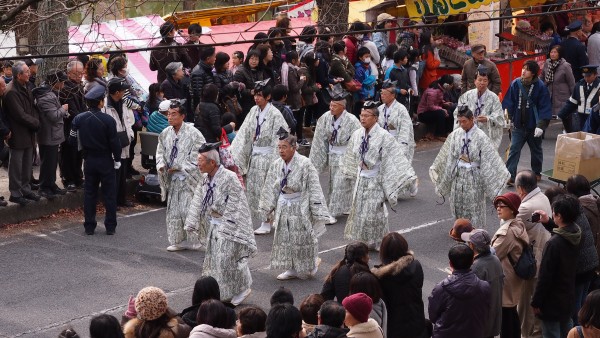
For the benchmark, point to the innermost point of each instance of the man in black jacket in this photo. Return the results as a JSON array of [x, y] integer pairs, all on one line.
[[202, 74], [4, 131], [331, 320], [554, 295], [160, 58]]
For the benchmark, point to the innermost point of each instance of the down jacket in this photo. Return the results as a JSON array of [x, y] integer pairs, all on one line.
[[52, 117]]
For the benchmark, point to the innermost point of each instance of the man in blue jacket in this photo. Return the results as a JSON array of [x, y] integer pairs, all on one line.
[[530, 110]]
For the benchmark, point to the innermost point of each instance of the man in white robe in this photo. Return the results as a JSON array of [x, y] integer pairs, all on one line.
[[394, 118], [220, 215], [468, 169], [486, 108], [382, 172], [255, 147], [293, 198], [332, 133], [176, 154]]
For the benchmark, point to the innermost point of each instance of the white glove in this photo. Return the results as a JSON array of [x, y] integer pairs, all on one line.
[[538, 132], [117, 165]]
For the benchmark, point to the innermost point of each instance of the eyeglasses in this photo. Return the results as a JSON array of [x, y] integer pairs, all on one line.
[[366, 115], [501, 206]]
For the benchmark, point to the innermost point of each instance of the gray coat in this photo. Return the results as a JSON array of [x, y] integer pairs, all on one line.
[[379, 313], [52, 116], [488, 268], [562, 87]]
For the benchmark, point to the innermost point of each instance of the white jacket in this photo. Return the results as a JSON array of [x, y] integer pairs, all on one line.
[[125, 125], [535, 200], [207, 331], [368, 329]]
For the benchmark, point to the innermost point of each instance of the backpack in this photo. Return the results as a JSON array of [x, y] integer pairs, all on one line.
[[526, 267]]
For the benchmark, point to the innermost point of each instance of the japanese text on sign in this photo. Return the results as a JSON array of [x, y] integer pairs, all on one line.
[[442, 8]]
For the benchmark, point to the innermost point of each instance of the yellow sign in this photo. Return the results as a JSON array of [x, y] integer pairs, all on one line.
[[442, 8]]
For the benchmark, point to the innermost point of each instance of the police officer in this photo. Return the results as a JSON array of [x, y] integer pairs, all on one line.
[[574, 51], [96, 134], [582, 101]]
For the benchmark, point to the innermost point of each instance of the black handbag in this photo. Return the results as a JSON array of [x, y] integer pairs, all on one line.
[[526, 266], [123, 138]]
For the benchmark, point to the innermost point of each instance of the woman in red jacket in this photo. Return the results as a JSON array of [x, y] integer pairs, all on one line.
[[432, 112], [432, 62]]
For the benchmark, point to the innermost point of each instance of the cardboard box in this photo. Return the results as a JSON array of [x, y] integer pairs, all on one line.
[[577, 153]]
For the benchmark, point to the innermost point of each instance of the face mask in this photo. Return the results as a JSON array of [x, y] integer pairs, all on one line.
[[367, 60]]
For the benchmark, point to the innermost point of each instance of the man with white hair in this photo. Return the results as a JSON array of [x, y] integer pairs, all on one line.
[[176, 164], [220, 214], [293, 199], [382, 172], [331, 137], [394, 118]]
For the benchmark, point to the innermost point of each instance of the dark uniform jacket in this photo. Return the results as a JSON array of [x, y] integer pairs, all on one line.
[[576, 54], [22, 115], [583, 101], [97, 133]]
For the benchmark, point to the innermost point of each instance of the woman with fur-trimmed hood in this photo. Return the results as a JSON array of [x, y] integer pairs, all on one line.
[[401, 279]]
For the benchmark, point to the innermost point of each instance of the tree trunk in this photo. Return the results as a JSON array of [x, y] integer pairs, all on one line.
[[334, 14], [189, 5], [53, 35]]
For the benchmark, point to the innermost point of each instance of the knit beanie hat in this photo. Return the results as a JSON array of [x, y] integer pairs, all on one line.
[[151, 303], [359, 305], [512, 200]]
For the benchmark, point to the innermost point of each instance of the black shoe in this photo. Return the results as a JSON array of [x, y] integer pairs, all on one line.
[[110, 232], [32, 196], [49, 195], [89, 232], [34, 186], [34, 181], [71, 188], [22, 201], [3, 203], [132, 171], [58, 191], [79, 185]]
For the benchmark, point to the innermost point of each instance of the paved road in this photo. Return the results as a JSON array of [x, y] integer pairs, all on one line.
[[58, 276]]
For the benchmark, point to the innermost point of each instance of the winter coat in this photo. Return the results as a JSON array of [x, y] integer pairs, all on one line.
[[157, 122], [554, 293], [72, 94], [379, 313], [294, 99], [52, 114], [207, 331], [401, 284], [326, 331], [591, 208], [487, 267], [177, 329], [587, 261], [459, 305], [368, 329], [539, 96], [193, 50], [208, 121], [364, 75], [509, 240], [222, 79], [287, 113], [430, 71], [200, 77], [469, 74], [351, 48], [339, 67], [174, 90], [21, 115], [98, 81], [593, 48], [382, 41], [538, 235], [122, 124], [562, 86], [262, 334], [431, 100], [309, 89], [160, 58], [339, 286], [248, 77]]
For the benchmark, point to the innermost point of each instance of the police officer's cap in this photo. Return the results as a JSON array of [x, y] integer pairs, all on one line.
[[117, 84], [97, 93], [574, 26], [589, 69]]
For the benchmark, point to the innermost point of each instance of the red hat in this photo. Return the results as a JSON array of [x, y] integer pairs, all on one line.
[[512, 200], [359, 305]]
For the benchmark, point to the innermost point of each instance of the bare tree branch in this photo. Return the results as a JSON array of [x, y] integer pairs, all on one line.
[[13, 13]]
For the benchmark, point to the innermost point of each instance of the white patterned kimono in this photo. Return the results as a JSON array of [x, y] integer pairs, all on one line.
[[220, 215], [469, 174], [396, 120], [382, 173], [489, 105], [293, 193], [254, 154], [178, 186], [327, 150]]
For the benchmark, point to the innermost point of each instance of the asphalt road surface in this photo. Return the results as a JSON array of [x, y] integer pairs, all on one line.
[[52, 276]]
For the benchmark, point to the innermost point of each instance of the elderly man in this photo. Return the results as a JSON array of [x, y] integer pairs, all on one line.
[[172, 86], [532, 199], [376, 161], [70, 159], [395, 119], [219, 212], [486, 107], [469, 72], [468, 168], [530, 110], [51, 134], [293, 199], [330, 142], [4, 130], [176, 163], [160, 58], [23, 119], [583, 103], [255, 147]]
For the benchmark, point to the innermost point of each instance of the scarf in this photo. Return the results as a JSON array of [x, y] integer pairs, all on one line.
[[549, 77]]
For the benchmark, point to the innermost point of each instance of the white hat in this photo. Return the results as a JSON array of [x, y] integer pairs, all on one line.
[[164, 106], [385, 17]]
